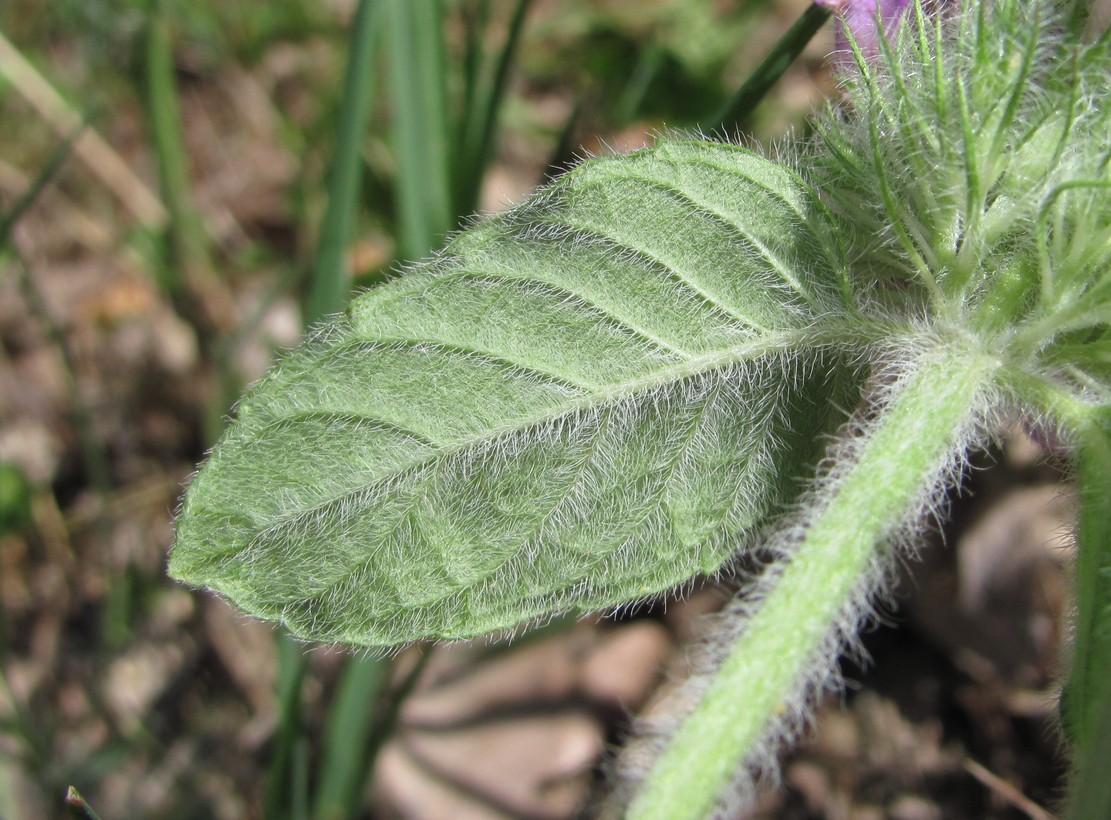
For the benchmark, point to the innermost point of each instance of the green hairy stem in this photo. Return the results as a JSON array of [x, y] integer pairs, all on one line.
[[820, 590]]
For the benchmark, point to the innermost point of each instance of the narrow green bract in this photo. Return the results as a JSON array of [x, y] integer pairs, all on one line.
[[580, 403]]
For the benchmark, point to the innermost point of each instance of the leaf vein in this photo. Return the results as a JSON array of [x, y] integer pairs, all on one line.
[[651, 260], [567, 294], [705, 209]]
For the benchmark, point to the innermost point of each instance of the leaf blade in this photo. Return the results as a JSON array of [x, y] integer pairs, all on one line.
[[541, 420]]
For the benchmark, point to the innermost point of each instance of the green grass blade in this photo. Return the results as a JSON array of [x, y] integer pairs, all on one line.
[[331, 278], [187, 273], [348, 738], [186, 234], [46, 174], [298, 806], [480, 120], [652, 61], [416, 67], [476, 17], [563, 156], [282, 792], [736, 112]]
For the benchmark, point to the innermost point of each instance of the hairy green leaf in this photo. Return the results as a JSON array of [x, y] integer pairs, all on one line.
[[579, 403]]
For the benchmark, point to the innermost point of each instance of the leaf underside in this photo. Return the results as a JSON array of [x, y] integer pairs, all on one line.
[[580, 403]]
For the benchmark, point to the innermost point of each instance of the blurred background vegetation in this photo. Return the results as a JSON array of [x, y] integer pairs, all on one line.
[[186, 186]]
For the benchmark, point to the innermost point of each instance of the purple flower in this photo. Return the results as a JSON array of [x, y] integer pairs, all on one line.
[[867, 20]]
